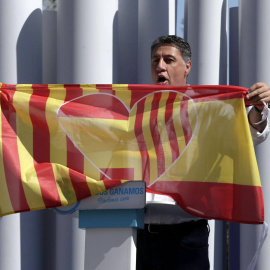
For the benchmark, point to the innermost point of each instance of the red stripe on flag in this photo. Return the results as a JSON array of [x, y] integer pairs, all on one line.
[[79, 184], [137, 93], [155, 134], [170, 126], [41, 146], [231, 202], [141, 142], [75, 159], [111, 183], [185, 120], [47, 184], [105, 88], [95, 106], [72, 91], [10, 152], [117, 173], [41, 133]]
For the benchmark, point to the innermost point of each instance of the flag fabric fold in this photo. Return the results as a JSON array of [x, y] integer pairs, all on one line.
[[63, 143]]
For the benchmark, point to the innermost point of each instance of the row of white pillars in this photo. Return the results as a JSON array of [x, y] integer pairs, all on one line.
[[81, 43], [102, 42], [124, 30]]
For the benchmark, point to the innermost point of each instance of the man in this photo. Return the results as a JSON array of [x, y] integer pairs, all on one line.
[[173, 239]]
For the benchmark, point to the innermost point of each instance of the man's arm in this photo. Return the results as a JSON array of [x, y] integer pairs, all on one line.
[[258, 95]]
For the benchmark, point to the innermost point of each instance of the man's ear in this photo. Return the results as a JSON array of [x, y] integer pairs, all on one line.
[[188, 67]]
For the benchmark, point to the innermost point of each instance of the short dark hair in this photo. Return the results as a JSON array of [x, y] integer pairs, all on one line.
[[178, 42]]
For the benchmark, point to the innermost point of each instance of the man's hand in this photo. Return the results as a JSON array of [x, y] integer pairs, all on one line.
[[258, 94]]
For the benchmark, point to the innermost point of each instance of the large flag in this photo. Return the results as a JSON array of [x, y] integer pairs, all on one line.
[[63, 143]]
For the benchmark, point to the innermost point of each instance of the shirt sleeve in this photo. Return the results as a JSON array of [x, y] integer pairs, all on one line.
[[257, 136]]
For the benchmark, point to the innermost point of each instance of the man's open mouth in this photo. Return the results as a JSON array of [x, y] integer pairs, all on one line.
[[162, 80]]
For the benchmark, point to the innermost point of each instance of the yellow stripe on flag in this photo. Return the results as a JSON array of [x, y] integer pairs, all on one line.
[[95, 186], [214, 149], [244, 176], [25, 149], [123, 93], [163, 131], [177, 123], [148, 138], [24, 88], [64, 186], [57, 136], [89, 89]]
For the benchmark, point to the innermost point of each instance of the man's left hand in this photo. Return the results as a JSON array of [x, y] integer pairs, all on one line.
[[258, 93]]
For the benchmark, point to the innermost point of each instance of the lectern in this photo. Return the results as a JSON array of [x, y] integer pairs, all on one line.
[[111, 220]]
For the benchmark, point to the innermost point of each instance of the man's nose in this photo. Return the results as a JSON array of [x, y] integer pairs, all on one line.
[[161, 65]]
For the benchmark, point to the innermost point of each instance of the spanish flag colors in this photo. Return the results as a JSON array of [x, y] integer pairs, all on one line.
[[63, 143]]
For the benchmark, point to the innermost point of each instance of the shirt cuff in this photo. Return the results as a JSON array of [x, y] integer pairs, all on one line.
[[257, 136], [264, 114]]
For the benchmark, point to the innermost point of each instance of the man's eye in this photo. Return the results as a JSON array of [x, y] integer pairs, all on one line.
[[169, 60]]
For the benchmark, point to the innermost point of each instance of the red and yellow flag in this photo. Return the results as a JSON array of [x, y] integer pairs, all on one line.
[[63, 143]]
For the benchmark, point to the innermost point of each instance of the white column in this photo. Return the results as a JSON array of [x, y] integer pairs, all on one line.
[[254, 67], [156, 18], [87, 41], [70, 243], [254, 36], [205, 30], [49, 47], [20, 46], [86, 53], [10, 250], [121, 244], [234, 228], [128, 41], [20, 62]]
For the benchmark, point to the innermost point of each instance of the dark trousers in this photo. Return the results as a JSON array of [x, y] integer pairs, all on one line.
[[172, 247]]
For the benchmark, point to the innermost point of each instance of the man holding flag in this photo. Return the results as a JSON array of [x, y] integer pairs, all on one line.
[[173, 238]]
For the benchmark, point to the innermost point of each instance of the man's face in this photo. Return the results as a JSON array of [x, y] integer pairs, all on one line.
[[168, 66]]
